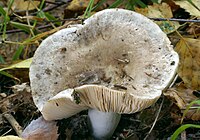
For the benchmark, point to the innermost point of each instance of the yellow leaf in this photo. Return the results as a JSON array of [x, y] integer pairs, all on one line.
[[185, 4], [160, 11], [23, 5], [189, 67], [156, 10], [10, 138], [23, 64], [78, 5]]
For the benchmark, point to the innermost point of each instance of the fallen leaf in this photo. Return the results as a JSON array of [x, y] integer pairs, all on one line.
[[10, 138], [160, 11], [78, 5], [193, 115], [192, 9], [182, 97], [189, 66], [23, 64], [23, 5], [20, 89], [173, 6], [194, 29]]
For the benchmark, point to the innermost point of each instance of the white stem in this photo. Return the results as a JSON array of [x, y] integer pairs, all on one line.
[[103, 124]]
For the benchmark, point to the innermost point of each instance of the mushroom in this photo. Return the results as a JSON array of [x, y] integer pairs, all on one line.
[[117, 62]]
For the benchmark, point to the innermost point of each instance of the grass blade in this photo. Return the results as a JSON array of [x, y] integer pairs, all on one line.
[[2, 11], [98, 5], [2, 61], [140, 3], [182, 128], [8, 75], [21, 26], [50, 17], [116, 4], [188, 107], [88, 10], [6, 20], [18, 53]]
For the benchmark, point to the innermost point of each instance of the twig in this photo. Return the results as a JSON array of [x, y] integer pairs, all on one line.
[[68, 19], [6, 132], [157, 115], [19, 30], [173, 81], [175, 19], [14, 123], [55, 3]]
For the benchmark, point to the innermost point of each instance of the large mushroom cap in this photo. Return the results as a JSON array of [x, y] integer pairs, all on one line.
[[119, 50]]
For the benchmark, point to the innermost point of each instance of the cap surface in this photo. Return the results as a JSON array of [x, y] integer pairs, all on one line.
[[122, 51]]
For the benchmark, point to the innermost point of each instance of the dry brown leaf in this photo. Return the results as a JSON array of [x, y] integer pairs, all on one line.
[[160, 11], [185, 4], [173, 6], [193, 115], [194, 29], [23, 5], [189, 67], [78, 5], [182, 97]]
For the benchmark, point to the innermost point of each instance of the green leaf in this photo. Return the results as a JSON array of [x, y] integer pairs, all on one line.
[[18, 52], [23, 64], [182, 128]]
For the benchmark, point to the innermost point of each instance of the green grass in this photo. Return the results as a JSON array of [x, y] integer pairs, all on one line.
[[181, 129], [185, 126]]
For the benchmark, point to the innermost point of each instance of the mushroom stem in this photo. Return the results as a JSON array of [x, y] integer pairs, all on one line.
[[103, 124]]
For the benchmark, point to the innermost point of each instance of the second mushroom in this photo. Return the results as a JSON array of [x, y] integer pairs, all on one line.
[[117, 62]]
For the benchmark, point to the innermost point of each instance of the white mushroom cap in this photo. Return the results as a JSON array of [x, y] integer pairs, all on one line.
[[122, 51]]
